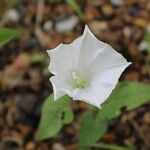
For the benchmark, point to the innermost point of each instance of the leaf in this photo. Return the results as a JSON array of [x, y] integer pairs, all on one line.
[[7, 34], [110, 147], [147, 38], [91, 129], [127, 94], [76, 8], [54, 115]]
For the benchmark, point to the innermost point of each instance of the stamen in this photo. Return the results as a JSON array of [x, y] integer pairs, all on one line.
[[79, 81]]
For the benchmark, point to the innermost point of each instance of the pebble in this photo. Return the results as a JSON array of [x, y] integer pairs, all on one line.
[[66, 24], [117, 3], [26, 100], [58, 146], [98, 26], [147, 118], [143, 45], [148, 28], [13, 140], [134, 11], [24, 129], [131, 2], [11, 15], [48, 25], [133, 49], [30, 146], [141, 22], [108, 10], [91, 13]]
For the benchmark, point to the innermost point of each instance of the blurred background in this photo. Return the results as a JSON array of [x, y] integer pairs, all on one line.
[[24, 77]]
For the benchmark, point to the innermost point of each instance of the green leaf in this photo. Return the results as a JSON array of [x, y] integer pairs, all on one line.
[[54, 115], [110, 146], [76, 8], [147, 38], [127, 94], [91, 129], [68, 116], [7, 34]]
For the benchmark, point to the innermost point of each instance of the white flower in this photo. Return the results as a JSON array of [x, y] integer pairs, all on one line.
[[87, 69]]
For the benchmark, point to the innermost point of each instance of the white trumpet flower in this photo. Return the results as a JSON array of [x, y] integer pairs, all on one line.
[[86, 69]]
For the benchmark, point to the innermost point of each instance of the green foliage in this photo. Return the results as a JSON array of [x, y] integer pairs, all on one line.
[[54, 115], [7, 34], [110, 146], [147, 38], [126, 94], [91, 129], [76, 8]]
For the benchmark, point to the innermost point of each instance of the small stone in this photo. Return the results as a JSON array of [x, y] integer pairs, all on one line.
[[137, 34], [131, 2], [30, 146], [91, 13], [47, 25], [144, 70], [147, 118], [143, 45], [98, 26], [66, 24], [148, 28], [117, 3], [24, 129], [58, 146], [13, 140], [26, 102], [11, 15], [141, 22], [127, 31], [133, 50], [108, 10], [96, 2], [134, 11]]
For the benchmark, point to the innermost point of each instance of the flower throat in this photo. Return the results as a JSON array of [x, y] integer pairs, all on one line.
[[79, 81]]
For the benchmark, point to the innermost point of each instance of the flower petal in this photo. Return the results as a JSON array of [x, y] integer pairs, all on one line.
[[101, 86], [96, 62], [106, 59], [64, 56], [91, 47], [87, 95], [60, 87], [105, 81]]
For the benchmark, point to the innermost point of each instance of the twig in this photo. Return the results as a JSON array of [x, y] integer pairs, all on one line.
[[40, 10]]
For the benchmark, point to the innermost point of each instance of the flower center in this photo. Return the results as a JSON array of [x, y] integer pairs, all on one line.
[[79, 81]]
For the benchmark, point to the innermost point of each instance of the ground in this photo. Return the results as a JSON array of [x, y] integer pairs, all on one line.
[[24, 77]]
